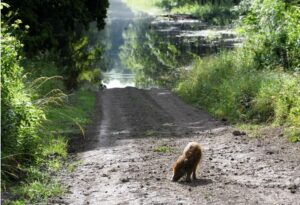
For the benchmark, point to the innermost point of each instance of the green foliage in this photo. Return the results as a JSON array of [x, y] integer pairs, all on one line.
[[217, 84], [40, 183], [272, 31], [60, 27], [228, 86], [85, 60], [24, 149], [20, 117], [295, 138], [32, 145], [37, 192]]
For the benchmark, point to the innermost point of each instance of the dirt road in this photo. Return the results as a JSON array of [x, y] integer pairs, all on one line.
[[137, 136]]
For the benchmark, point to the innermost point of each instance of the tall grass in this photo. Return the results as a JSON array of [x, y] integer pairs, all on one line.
[[228, 85]]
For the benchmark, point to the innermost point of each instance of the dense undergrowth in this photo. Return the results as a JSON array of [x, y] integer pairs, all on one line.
[[41, 180], [38, 117]]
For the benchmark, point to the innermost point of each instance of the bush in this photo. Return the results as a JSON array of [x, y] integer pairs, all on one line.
[[32, 107], [20, 119], [272, 31]]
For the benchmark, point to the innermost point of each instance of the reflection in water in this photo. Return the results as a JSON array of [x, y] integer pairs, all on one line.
[[153, 57], [147, 51], [114, 79], [119, 17], [159, 49]]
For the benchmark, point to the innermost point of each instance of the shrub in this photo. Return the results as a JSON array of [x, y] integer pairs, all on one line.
[[272, 31], [20, 118]]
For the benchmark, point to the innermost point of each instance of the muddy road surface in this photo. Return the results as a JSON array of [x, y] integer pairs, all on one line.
[[129, 150]]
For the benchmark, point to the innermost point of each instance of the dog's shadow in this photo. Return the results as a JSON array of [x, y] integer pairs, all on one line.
[[197, 182]]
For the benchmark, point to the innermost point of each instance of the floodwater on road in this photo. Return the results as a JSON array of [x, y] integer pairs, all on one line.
[[145, 48]]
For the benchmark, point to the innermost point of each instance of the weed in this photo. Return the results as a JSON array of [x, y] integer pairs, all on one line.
[[37, 191], [72, 166], [251, 129], [293, 134], [163, 149]]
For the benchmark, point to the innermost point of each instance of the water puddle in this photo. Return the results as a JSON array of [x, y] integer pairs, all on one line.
[[118, 80]]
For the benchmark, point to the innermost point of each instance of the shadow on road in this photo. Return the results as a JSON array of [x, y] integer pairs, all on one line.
[[198, 182]]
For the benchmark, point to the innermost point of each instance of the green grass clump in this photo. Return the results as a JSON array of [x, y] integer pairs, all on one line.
[[163, 149], [37, 192]]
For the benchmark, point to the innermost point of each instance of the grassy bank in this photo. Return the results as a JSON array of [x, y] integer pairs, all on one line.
[[37, 120], [229, 86], [39, 180]]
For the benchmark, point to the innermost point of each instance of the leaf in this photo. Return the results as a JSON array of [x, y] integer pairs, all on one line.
[[2, 5]]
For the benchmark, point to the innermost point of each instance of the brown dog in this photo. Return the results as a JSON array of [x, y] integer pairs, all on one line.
[[187, 163]]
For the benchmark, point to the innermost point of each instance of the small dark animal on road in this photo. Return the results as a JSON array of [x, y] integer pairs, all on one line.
[[187, 163], [102, 86]]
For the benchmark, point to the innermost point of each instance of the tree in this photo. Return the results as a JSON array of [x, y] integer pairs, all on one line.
[[57, 26]]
